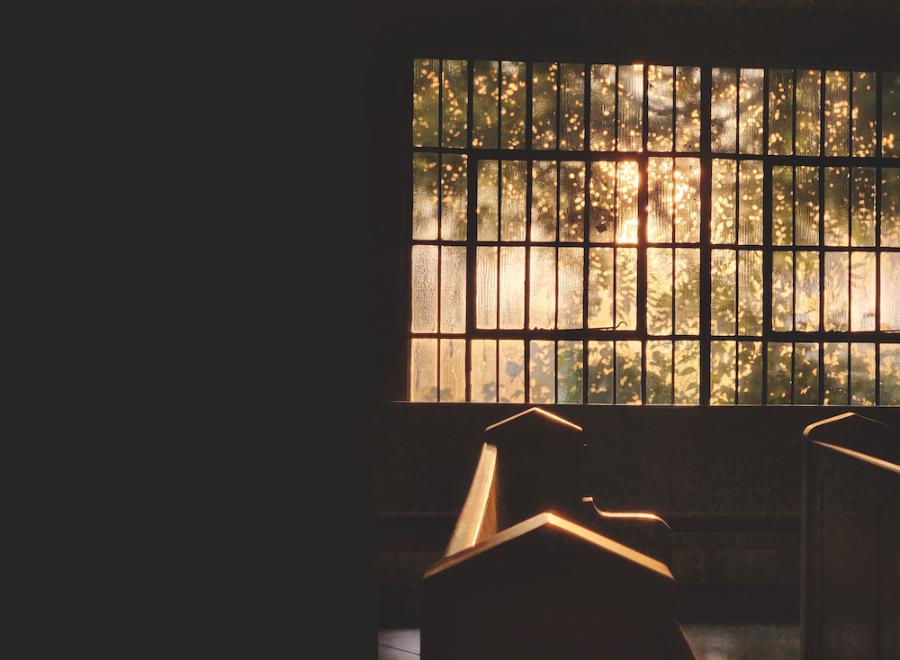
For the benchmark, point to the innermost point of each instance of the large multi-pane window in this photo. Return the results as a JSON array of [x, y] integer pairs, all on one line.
[[654, 234]]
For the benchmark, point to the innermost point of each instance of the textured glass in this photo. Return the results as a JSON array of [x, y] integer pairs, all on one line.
[[426, 89], [862, 291], [751, 111], [571, 97], [659, 291], [890, 291], [782, 205], [631, 101], [889, 374], [512, 371], [454, 103], [543, 105], [425, 197], [453, 370], [628, 372], [687, 373], [600, 288], [571, 201], [750, 212], [453, 197], [603, 107], [782, 291], [687, 200], [779, 372], [806, 205], [809, 110], [724, 185], [806, 373], [453, 289], [424, 287], [659, 200], [781, 101], [542, 288], [486, 91], [723, 110], [837, 206], [890, 207], [750, 292], [602, 190], [512, 288], [626, 289], [890, 115], [423, 370], [512, 200], [687, 291], [749, 372], [722, 372], [659, 372], [834, 366], [687, 108], [569, 372], [659, 107], [569, 295], [837, 113], [862, 208], [542, 371], [488, 209], [862, 374], [836, 287], [723, 268], [626, 202], [863, 118], [600, 372], [483, 373], [512, 105], [486, 287], [806, 297], [543, 200]]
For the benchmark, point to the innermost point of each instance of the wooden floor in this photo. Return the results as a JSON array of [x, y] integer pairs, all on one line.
[[709, 641]]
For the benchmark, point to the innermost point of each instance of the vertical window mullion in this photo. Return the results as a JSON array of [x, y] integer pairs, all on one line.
[[878, 129], [641, 321], [705, 236]]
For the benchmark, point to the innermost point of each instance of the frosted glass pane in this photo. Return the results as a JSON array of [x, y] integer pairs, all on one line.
[[483, 376], [512, 287], [808, 111], [486, 287], [807, 206], [626, 289], [603, 107], [723, 290], [628, 372], [512, 371], [862, 374], [569, 372], [837, 206], [806, 373], [863, 119], [453, 369], [750, 225], [659, 372], [779, 373], [571, 96], [659, 291], [455, 103], [602, 190], [749, 372], [426, 86], [687, 200], [687, 373], [423, 370], [571, 281], [890, 207], [722, 372], [836, 376], [724, 187], [687, 108], [806, 299], [512, 200], [543, 200], [424, 287], [453, 289], [836, 287], [890, 115], [600, 372], [837, 113], [631, 101], [862, 291], [543, 105], [425, 197], [782, 205], [723, 110], [542, 288], [600, 288], [659, 200], [782, 291], [571, 201], [889, 374], [626, 202], [781, 94], [687, 291], [751, 111], [862, 209], [542, 371], [750, 292], [488, 210], [453, 197], [659, 107], [512, 105], [486, 90], [890, 291]]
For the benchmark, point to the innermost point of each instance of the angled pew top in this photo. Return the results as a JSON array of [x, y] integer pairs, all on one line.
[[859, 437]]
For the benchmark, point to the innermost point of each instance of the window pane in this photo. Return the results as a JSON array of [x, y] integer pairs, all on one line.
[[571, 201], [890, 291], [659, 107], [631, 101], [751, 111], [779, 377], [512, 371], [863, 118], [890, 115], [483, 374], [806, 373], [486, 287], [687, 291], [570, 372], [659, 200], [603, 107], [862, 291], [571, 279], [425, 197], [600, 288], [542, 371], [659, 372], [687, 373], [626, 288], [426, 81], [782, 291], [749, 372], [455, 103], [750, 292], [687, 108], [512, 105], [486, 88], [542, 288], [751, 204], [572, 99], [807, 206], [453, 289], [862, 374], [890, 207], [806, 300], [543, 200], [723, 110], [808, 111], [628, 372], [836, 287], [543, 105], [687, 200], [626, 202], [837, 113], [512, 287], [512, 200], [723, 269], [659, 291], [488, 200], [453, 370], [600, 372], [423, 370], [602, 188], [722, 372], [453, 197], [724, 184], [836, 374], [782, 205], [424, 287], [889, 374], [781, 95], [862, 211], [837, 206]]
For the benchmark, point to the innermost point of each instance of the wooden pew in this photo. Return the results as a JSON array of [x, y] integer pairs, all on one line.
[[850, 514], [529, 571]]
